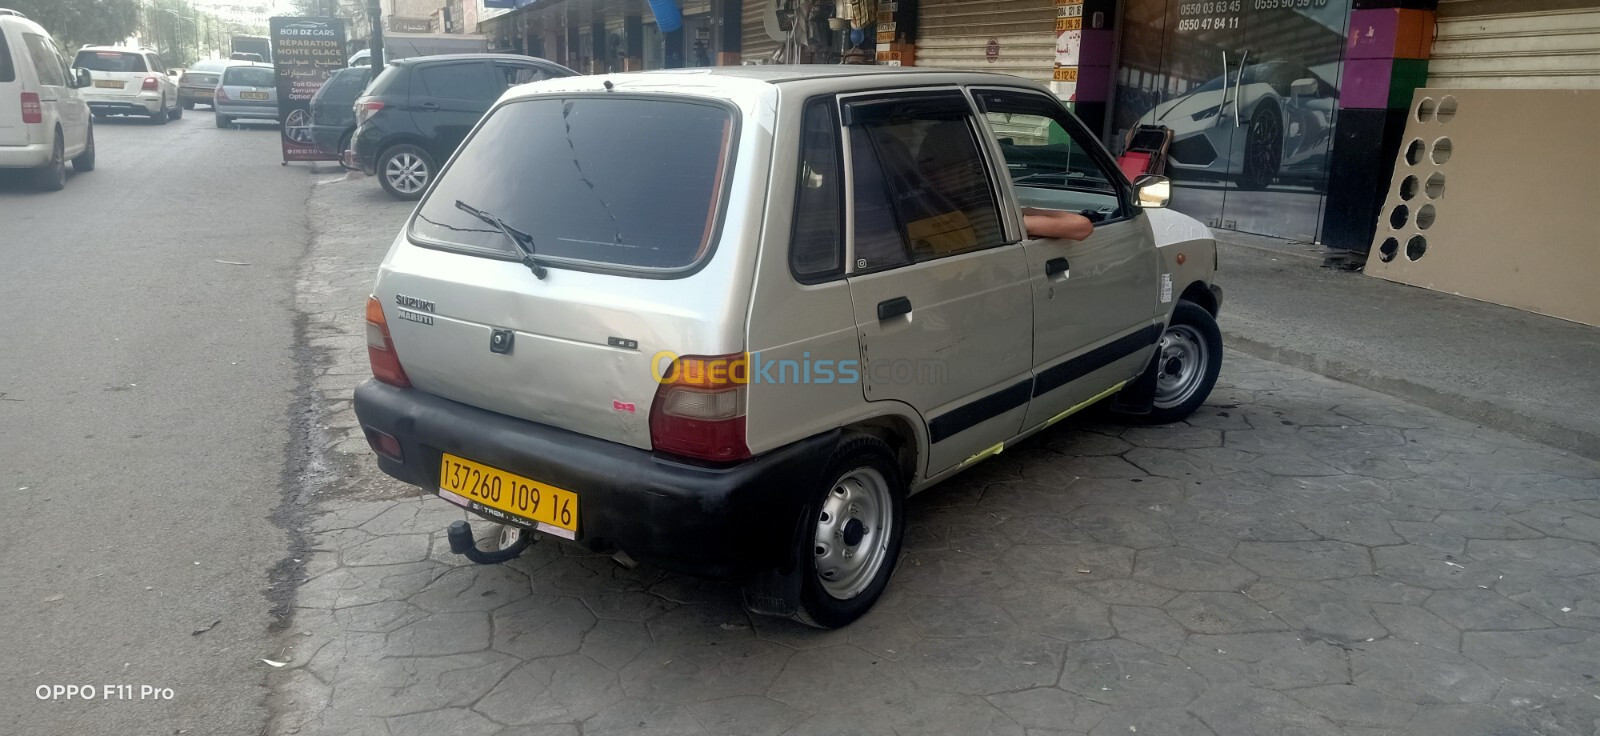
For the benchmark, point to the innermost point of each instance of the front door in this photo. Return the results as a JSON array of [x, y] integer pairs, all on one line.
[[1095, 302], [939, 285], [453, 98]]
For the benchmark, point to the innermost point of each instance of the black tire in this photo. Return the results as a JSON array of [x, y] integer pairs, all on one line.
[[1263, 153], [159, 117], [223, 121], [856, 455], [1177, 399], [188, 104], [85, 161], [397, 155], [52, 177], [177, 111]]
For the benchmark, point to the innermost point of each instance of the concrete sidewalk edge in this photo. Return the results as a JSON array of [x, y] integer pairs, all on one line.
[[1461, 406]]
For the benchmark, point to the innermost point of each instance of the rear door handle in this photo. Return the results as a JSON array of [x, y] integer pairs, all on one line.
[[893, 308], [428, 106], [1055, 266]]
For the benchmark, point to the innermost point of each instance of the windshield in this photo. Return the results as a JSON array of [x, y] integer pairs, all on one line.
[[613, 181], [249, 76], [110, 61]]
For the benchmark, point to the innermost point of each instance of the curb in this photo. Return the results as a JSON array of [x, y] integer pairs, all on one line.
[[1508, 419]]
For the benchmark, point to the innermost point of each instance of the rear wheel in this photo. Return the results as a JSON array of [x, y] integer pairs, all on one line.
[[188, 104], [223, 121], [52, 177], [85, 161], [159, 117], [177, 111], [856, 525], [405, 170]]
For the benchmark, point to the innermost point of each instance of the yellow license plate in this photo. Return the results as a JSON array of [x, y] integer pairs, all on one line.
[[508, 497], [253, 95], [201, 93], [108, 83]]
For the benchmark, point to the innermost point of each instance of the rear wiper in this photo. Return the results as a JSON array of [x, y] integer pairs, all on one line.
[[522, 240]]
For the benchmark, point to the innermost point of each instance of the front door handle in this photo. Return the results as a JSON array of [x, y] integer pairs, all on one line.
[[1055, 266], [429, 106], [893, 308]]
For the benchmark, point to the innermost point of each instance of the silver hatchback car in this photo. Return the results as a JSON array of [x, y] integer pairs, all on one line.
[[246, 90], [727, 321]]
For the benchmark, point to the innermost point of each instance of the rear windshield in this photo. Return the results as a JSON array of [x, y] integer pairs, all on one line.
[[110, 61], [208, 66], [249, 77], [345, 85], [613, 181], [8, 72], [386, 78]]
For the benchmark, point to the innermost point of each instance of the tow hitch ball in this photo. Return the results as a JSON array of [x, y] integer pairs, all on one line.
[[461, 543]]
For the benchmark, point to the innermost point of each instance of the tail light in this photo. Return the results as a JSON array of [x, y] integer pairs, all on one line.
[[365, 109], [31, 111], [151, 84], [380, 348], [221, 94], [699, 408]]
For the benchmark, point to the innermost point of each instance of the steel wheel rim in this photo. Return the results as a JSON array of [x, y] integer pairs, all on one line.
[[1183, 356], [406, 172], [858, 508]]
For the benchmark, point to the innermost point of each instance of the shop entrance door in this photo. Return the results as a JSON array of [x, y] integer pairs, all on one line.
[[1249, 89]]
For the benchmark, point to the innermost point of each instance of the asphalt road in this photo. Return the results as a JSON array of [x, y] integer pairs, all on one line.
[[145, 386]]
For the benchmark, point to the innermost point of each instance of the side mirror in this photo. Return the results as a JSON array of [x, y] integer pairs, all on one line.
[[1155, 192], [1303, 87], [83, 78]]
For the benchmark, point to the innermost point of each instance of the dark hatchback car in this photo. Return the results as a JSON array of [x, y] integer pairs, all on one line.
[[415, 114], [333, 119]]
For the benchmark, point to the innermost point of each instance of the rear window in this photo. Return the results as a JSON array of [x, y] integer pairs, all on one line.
[[8, 71], [249, 76], [345, 84], [110, 61], [210, 67], [630, 183]]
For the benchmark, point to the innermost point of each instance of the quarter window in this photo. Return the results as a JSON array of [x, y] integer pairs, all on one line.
[[513, 74], [921, 188], [816, 250]]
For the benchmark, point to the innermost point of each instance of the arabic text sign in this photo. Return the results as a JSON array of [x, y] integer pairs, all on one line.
[[306, 51]]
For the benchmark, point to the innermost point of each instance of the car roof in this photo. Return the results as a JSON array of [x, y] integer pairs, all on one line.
[[413, 60], [743, 82], [124, 49], [258, 64]]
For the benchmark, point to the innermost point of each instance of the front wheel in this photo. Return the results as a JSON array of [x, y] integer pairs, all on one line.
[[856, 525], [1187, 361], [1263, 152], [404, 171]]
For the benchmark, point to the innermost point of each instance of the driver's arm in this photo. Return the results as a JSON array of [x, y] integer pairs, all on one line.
[[1056, 224]]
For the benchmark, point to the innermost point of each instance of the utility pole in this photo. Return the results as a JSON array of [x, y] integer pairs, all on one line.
[[375, 12]]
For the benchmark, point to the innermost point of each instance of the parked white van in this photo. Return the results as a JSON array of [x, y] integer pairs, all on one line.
[[44, 121], [726, 321]]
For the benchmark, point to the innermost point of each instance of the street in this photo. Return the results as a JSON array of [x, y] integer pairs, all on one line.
[[189, 495], [146, 385]]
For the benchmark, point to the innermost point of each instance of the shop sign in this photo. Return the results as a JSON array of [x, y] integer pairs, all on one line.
[[305, 52], [410, 25], [1069, 43], [991, 51]]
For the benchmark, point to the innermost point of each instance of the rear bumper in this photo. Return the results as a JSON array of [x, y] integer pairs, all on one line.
[[25, 157], [328, 137], [1216, 293], [126, 107], [714, 522], [237, 110], [364, 150]]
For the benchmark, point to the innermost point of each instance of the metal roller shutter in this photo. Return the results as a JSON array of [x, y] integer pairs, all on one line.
[[1480, 45], [755, 43], [955, 34]]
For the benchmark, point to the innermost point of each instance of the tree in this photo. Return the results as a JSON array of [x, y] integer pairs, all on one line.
[[75, 23]]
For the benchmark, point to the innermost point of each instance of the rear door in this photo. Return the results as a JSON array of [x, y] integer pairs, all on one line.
[[1095, 301], [12, 57], [635, 275], [118, 75], [57, 98], [940, 287], [448, 98]]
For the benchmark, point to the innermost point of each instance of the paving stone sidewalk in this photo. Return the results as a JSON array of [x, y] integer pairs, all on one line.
[[1301, 557]]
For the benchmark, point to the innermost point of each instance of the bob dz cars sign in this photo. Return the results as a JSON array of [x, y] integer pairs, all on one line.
[[306, 51]]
